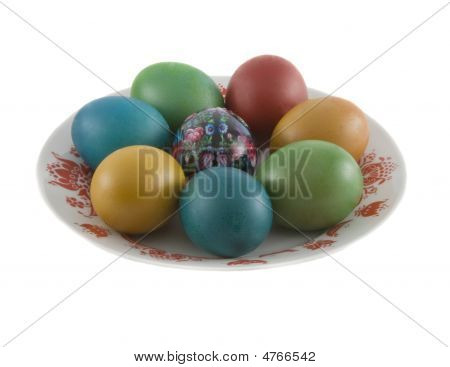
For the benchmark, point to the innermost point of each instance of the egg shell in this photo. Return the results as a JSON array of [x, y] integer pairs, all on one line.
[[332, 119], [214, 137], [177, 90], [262, 90], [313, 184], [136, 189], [225, 211], [110, 123]]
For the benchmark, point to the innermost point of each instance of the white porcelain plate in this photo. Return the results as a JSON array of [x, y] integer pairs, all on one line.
[[64, 180]]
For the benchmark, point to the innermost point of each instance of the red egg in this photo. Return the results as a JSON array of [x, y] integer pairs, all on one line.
[[262, 90]]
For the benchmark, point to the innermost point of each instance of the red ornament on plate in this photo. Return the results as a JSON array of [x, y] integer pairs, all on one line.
[[246, 262], [96, 230], [73, 176], [372, 209], [317, 244], [375, 171]]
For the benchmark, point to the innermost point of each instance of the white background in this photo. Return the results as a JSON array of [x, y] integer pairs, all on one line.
[[315, 306]]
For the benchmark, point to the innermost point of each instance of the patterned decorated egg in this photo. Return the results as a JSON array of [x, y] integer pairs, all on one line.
[[214, 137], [225, 211]]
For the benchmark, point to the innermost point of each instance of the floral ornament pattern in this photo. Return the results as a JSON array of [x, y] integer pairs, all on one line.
[[333, 231], [73, 176], [160, 254], [95, 230], [375, 171], [214, 137], [223, 90], [245, 262], [74, 152], [372, 209], [317, 244]]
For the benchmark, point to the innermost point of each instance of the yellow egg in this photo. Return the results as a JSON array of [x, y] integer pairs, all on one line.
[[332, 119], [135, 189]]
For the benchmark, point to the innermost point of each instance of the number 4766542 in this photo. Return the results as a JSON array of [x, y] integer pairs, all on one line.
[[289, 356]]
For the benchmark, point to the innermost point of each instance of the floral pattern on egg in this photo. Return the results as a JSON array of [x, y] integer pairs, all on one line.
[[214, 137]]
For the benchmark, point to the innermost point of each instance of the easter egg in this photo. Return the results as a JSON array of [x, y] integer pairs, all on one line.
[[110, 123], [313, 184], [176, 90], [262, 90], [332, 119], [225, 211], [214, 137], [136, 189]]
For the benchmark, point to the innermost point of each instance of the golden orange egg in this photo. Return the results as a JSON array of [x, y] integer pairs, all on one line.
[[135, 189], [332, 119]]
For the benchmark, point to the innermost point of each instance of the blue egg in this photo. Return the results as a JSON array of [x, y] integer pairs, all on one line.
[[225, 211], [110, 123]]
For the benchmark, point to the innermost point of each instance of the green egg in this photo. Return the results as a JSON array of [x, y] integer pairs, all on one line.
[[176, 90], [313, 184]]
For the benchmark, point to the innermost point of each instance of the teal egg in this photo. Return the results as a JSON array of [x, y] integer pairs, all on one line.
[[110, 123], [225, 211]]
